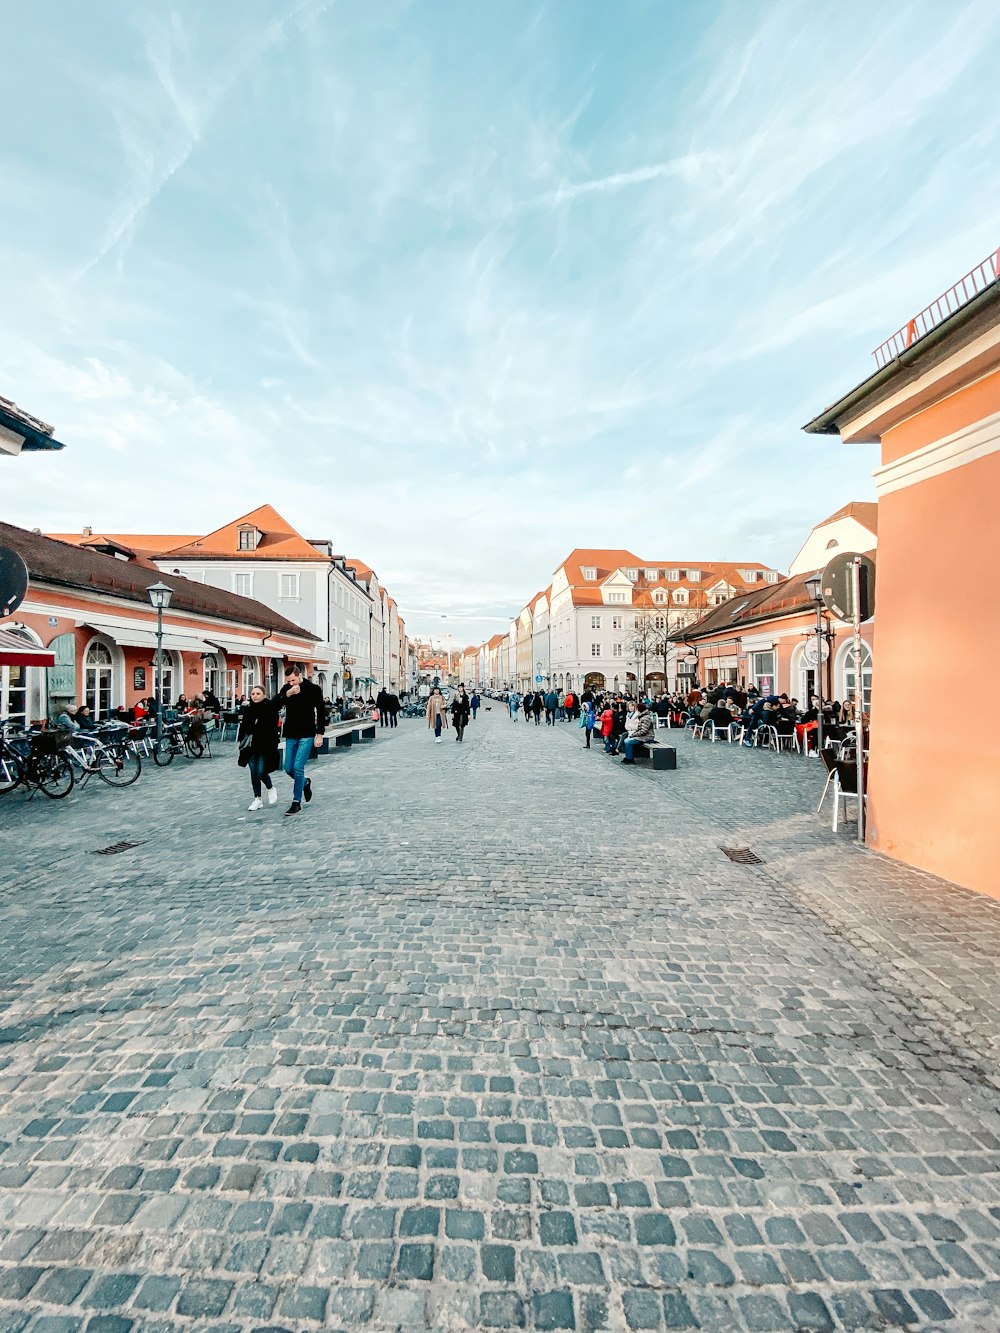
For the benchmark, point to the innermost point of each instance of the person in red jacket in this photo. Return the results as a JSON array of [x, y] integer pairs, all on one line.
[[605, 722]]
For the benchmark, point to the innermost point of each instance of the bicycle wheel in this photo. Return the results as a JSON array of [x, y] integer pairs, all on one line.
[[196, 748], [163, 751], [11, 772], [119, 768], [54, 775]]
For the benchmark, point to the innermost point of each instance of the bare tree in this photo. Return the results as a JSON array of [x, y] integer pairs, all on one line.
[[643, 642]]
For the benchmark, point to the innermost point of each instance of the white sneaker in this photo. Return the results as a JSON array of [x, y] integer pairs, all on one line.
[[272, 796], [438, 740], [256, 804]]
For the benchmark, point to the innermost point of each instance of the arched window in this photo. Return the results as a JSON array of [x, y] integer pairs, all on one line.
[[169, 677], [98, 675], [213, 673], [845, 676], [250, 674], [14, 683], [832, 543]]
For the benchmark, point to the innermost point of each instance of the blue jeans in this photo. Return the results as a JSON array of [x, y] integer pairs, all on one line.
[[259, 773], [296, 753], [629, 747]]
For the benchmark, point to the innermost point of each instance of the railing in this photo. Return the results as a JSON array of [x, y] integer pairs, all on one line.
[[958, 295]]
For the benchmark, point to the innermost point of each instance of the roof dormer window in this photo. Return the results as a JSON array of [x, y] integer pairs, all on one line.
[[247, 538], [694, 575], [589, 572], [672, 575], [632, 575]]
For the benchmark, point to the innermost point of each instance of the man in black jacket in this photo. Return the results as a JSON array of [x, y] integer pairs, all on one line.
[[303, 729]]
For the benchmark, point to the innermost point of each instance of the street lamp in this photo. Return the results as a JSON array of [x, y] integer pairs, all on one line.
[[813, 587], [159, 594]]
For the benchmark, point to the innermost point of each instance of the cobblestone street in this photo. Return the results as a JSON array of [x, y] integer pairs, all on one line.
[[492, 1035]]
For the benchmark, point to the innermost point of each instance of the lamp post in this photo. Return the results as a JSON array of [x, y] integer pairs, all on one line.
[[813, 588], [159, 595]]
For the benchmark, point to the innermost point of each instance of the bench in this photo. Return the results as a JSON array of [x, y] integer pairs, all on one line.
[[345, 734], [660, 756]]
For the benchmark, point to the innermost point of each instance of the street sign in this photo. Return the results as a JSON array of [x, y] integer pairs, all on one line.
[[13, 581], [539, 679], [810, 652], [838, 588]]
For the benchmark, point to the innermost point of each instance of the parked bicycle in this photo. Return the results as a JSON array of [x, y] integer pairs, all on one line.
[[112, 753], [188, 737], [34, 759]]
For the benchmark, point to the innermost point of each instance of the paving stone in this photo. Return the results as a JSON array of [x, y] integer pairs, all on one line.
[[283, 1054]]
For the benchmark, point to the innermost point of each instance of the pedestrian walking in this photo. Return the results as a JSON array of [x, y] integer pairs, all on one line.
[[588, 721], [257, 739], [537, 702], [526, 703], [514, 705], [437, 713], [305, 722], [460, 709], [474, 704], [382, 704], [392, 706], [551, 707]]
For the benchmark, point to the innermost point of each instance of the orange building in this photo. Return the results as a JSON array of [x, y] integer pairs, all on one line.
[[933, 406]]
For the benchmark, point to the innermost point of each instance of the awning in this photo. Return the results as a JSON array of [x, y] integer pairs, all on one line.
[[122, 633], [180, 644], [15, 651], [233, 649]]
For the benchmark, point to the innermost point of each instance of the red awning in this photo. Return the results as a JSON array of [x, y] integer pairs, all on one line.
[[16, 651]]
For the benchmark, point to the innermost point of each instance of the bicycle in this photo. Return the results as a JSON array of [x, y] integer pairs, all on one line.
[[188, 738], [111, 753], [35, 759]]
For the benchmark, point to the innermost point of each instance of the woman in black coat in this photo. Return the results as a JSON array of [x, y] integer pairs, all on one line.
[[258, 744]]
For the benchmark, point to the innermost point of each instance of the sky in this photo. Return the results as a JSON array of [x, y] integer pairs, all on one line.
[[462, 286]]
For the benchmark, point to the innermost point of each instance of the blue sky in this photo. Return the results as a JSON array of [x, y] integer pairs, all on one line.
[[463, 285]]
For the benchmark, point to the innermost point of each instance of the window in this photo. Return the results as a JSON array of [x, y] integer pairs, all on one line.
[[832, 543], [672, 575], [589, 572], [719, 599], [247, 539], [694, 575], [652, 575], [659, 622], [250, 675], [213, 676], [616, 650], [595, 650], [749, 575], [595, 622], [617, 622], [98, 665], [847, 675], [616, 597], [290, 585], [762, 671], [772, 576], [244, 585], [680, 596], [632, 574], [659, 596]]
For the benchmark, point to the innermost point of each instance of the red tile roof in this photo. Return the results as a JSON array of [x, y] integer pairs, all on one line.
[[865, 511]]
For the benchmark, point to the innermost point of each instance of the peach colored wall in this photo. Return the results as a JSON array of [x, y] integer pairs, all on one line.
[[959, 409], [934, 785]]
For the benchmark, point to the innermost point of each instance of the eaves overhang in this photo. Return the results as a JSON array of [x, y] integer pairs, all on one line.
[[828, 421]]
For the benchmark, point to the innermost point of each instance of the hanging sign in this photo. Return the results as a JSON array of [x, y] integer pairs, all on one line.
[[13, 581]]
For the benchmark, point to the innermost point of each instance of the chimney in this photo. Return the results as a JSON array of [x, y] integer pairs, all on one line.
[[88, 532]]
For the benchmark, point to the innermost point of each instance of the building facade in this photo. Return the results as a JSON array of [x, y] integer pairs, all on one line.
[[92, 611], [932, 408]]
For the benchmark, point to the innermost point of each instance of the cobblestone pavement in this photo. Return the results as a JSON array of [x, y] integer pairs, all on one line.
[[490, 1036]]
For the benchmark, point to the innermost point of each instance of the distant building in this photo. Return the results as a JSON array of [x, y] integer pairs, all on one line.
[[20, 432]]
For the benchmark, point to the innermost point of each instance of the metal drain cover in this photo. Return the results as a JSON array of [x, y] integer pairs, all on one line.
[[117, 847], [742, 856]]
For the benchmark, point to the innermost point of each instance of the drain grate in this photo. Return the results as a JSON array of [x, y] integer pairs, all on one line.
[[117, 847], [742, 856]]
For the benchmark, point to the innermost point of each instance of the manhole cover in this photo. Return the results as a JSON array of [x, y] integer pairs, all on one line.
[[743, 856], [117, 847]]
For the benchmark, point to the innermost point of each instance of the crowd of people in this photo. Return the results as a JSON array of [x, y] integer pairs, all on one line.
[[463, 708]]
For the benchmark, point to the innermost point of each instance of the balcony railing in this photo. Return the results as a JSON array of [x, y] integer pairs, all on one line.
[[958, 295]]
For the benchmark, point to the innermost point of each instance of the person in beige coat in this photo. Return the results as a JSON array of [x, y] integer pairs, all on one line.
[[437, 713]]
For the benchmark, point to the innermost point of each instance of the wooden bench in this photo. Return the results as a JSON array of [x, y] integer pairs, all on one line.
[[345, 734]]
